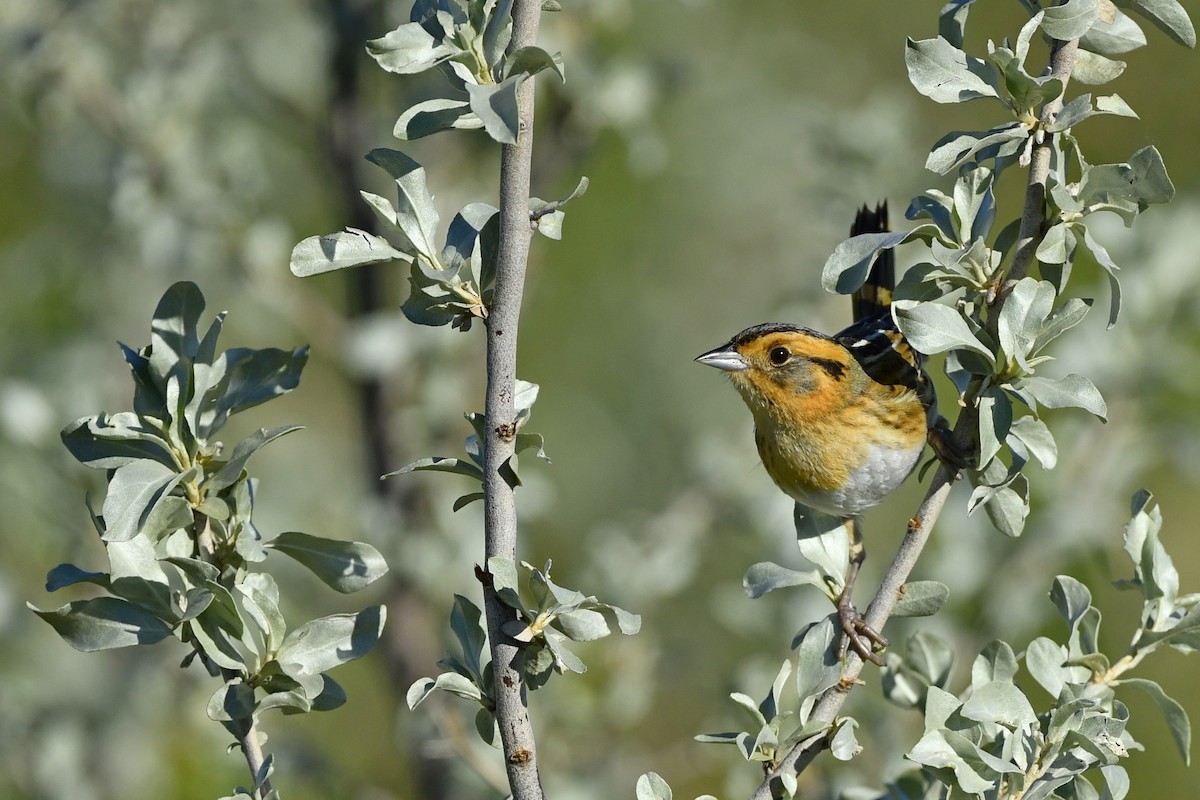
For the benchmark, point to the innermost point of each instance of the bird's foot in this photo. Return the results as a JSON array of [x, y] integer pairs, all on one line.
[[857, 634]]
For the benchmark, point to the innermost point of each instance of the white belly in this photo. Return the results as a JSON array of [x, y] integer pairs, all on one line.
[[876, 478]]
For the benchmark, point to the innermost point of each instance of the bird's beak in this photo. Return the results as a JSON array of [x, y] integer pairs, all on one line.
[[724, 357]]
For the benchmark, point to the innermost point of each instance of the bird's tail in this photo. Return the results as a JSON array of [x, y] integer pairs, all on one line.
[[875, 296]]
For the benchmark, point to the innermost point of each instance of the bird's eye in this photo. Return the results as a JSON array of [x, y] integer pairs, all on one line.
[[779, 355]]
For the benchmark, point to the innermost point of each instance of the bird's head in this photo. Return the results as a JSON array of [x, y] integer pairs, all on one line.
[[777, 366]]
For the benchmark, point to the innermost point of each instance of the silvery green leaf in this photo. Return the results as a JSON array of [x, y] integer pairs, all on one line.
[[1070, 20], [817, 665], [1026, 92], [1113, 38], [496, 106], [485, 726], [1072, 113], [472, 232], [232, 701], [248, 378], [532, 60], [1008, 507], [1177, 718], [343, 566], [431, 116], [381, 206], [952, 21], [844, 746], [498, 31], [450, 682], [946, 74], [582, 625], [564, 659], [1046, 659], [1001, 702], [349, 248], [1037, 439], [259, 597], [1110, 268], [921, 599], [935, 752], [932, 328], [1025, 37], [294, 700], [1156, 575], [220, 644], [1073, 391], [1073, 601], [440, 464], [847, 267], [504, 580], [1143, 180], [957, 147], [939, 207], [766, 576], [111, 441], [1057, 245], [1092, 69], [1168, 15], [930, 657], [330, 696], [103, 623], [1069, 314], [823, 540], [173, 334], [995, 420], [1116, 782], [465, 500], [996, 662], [974, 203], [1022, 318], [69, 575], [651, 786], [409, 49], [1114, 104], [134, 491], [231, 471], [416, 214], [324, 643]]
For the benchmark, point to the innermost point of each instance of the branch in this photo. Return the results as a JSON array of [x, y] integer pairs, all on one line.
[[500, 514], [1062, 61], [1033, 218], [248, 741]]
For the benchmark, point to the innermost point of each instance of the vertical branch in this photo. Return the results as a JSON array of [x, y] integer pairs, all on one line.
[[500, 514], [1033, 217], [1062, 62], [248, 741]]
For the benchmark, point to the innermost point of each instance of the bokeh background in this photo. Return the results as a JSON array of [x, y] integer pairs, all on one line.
[[728, 144]]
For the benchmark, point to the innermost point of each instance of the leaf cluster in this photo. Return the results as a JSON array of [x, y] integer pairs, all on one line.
[[991, 742], [467, 42], [523, 398], [547, 617], [996, 352], [177, 526]]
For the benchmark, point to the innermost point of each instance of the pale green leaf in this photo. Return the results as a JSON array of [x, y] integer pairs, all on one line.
[[344, 566], [349, 248]]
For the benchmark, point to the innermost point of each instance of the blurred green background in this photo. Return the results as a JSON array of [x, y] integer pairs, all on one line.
[[728, 145]]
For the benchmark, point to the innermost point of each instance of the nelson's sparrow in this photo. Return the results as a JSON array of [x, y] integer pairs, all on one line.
[[840, 421]]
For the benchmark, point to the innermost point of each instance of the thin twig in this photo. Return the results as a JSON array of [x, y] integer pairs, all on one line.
[[500, 515], [1062, 61]]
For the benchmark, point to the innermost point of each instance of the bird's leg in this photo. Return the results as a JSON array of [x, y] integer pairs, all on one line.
[[954, 457], [856, 632]]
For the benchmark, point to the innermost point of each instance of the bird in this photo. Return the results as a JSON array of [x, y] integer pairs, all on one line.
[[840, 421]]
